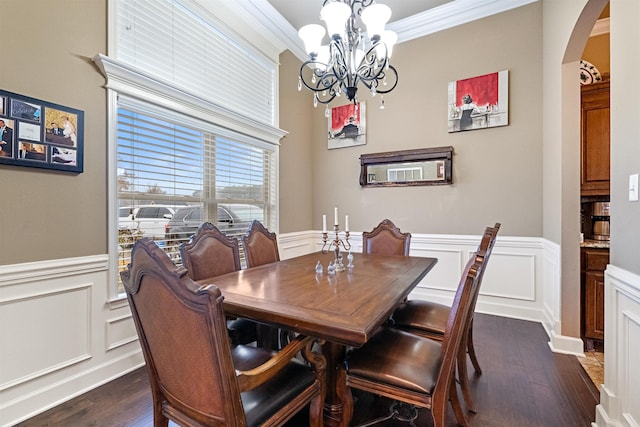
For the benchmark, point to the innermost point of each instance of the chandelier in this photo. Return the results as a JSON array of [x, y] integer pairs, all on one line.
[[350, 59]]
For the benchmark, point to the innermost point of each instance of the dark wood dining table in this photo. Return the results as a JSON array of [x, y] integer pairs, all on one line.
[[343, 309]]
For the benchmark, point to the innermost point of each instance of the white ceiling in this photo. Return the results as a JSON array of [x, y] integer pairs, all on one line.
[[276, 22], [300, 13]]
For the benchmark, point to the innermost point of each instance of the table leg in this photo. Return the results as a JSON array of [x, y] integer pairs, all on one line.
[[338, 404]]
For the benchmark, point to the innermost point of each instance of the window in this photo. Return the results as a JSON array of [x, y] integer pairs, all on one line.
[[172, 177], [189, 140], [404, 174]]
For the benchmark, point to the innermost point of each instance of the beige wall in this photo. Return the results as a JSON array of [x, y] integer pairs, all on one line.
[[597, 52], [625, 133], [296, 162], [50, 214], [497, 172]]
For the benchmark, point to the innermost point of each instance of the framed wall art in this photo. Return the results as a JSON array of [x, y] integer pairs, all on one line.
[[479, 102], [347, 125], [40, 134]]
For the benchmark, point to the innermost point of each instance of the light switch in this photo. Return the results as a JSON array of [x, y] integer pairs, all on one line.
[[633, 187]]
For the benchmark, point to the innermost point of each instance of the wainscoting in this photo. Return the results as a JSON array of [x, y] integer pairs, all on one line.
[[61, 336], [620, 393]]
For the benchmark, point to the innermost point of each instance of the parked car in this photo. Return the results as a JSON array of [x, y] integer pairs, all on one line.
[[150, 220], [232, 219]]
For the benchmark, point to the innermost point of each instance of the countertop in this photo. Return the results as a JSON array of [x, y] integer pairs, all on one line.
[[603, 244]]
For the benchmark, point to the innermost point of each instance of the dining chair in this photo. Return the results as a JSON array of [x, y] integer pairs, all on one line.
[[429, 319], [386, 239], [196, 377], [411, 368], [261, 247], [211, 253]]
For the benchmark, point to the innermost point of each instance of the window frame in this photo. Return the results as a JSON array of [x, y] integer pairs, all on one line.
[[124, 81]]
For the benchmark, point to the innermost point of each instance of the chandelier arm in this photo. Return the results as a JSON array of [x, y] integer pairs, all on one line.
[[371, 68], [325, 86], [393, 86]]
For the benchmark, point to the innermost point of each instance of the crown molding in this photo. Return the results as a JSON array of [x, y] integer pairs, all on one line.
[[450, 15], [440, 18], [600, 28]]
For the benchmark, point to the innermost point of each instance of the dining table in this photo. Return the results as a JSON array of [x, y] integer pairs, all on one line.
[[342, 309]]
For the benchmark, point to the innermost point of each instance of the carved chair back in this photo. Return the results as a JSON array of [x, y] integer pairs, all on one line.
[[386, 239], [260, 245], [182, 330], [210, 253]]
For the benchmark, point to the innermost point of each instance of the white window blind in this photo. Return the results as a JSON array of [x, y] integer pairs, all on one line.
[[174, 173], [168, 40]]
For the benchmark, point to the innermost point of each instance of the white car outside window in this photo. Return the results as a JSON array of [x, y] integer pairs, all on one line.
[[150, 220]]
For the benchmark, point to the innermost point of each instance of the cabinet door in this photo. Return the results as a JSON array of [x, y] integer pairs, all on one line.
[[595, 139], [594, 305]]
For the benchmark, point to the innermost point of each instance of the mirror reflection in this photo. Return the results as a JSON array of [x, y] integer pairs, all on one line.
[[429, 166], [407, 172]]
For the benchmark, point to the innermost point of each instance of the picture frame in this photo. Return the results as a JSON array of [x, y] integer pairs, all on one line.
[[479, 102], [347, 126], [40, 134]]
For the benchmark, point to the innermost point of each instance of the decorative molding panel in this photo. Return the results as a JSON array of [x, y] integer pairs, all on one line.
[[120, 331], [620, 394], [47, 332]]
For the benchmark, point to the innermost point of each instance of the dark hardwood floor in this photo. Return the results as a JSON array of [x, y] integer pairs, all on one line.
[[523, 384]]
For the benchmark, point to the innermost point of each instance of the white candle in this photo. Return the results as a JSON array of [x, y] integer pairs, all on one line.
[[346, 223], [324, 223], [335, 216]]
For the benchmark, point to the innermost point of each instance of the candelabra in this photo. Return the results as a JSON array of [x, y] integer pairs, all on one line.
[[337, 242]]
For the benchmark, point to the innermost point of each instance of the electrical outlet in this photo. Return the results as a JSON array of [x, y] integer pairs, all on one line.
[[633, 187]]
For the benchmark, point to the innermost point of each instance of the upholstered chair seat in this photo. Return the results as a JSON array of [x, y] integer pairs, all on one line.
[[384, 359]]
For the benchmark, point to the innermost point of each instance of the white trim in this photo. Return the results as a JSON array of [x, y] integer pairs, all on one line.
[[601, 27], [565, 345], [450, 15], [128, 80], [619, 399], [14, 274]]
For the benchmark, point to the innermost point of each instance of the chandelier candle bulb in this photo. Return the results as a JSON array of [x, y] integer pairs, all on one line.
[[324, 223], [346, 223], [335, 15], [375, 17], [335, 216]]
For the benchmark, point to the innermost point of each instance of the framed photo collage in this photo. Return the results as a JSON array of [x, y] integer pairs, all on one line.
[[40, 134]]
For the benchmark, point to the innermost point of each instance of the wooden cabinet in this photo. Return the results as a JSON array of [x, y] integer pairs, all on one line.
[[594, 141], [594, 261]]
